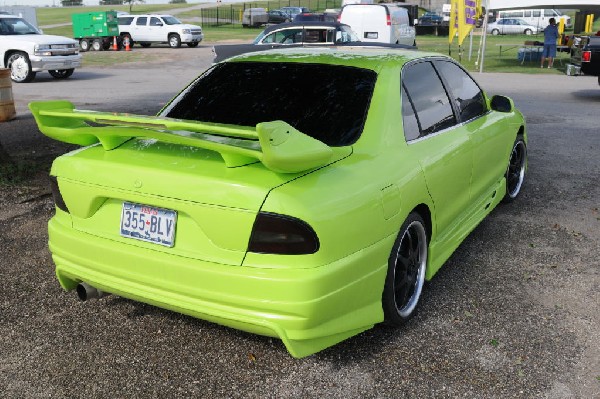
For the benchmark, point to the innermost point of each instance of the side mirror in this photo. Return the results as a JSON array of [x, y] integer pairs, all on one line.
[[502, 104]]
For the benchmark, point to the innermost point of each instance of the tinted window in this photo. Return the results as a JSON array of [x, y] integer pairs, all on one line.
[[155, 22], [141, 21], [467, 95], [327, 102], [125, 20], [428, 97], [287, 36], [536, 13], [409, 119]]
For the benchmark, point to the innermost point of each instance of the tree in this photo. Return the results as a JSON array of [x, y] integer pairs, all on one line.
[[130, 2]]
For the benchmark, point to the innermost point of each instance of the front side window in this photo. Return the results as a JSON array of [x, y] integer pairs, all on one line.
[[468, 97], [141, 21], [16, 26], [155, 22], [428, 97], [327, 102]]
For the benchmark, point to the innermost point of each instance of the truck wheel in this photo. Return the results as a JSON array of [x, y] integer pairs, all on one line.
[[61, 73], [174, 40], [126, 37], [96, 45], [84, 45], [20, 68]]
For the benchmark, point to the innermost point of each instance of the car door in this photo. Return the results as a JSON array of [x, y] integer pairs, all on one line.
[[156, 30], [487, 135], [139, 30], [442, 146]]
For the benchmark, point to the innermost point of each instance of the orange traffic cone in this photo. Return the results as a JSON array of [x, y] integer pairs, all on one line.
[[126, 40], [114, 46]]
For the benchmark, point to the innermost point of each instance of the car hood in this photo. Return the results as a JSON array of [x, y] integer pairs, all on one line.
[[42, 39]]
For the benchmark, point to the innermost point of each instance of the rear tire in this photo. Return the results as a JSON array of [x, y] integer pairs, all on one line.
[[495, 32], [97, 45], [406, 271], [528, 32], [61, 73]]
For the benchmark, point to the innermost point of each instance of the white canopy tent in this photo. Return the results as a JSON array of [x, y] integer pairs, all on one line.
[[519, 4]]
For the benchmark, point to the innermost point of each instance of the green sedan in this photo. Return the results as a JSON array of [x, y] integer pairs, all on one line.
[[304, 194]]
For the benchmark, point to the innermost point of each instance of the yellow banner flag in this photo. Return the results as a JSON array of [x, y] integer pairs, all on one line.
[[463, 15]]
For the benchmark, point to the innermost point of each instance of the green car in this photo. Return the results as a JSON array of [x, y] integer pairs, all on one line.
[[304, 194]]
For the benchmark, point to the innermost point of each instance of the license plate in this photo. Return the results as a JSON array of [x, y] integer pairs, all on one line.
[[148, 223]]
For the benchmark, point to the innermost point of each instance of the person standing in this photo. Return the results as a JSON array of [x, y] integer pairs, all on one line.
[[550, 38]]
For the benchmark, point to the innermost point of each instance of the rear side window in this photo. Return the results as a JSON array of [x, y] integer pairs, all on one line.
[[326, 102], [125, 20], [428, 98], [141, 21], [468, 97]]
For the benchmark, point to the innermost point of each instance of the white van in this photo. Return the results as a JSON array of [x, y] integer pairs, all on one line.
[[384, 23], [536, 17]]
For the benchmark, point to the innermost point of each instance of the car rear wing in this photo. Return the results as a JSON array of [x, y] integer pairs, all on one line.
[[276, 144]]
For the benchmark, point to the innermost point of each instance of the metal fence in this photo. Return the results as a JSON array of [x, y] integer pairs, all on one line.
[[232, 14]]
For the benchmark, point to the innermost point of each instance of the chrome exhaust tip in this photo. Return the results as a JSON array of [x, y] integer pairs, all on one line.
[[86, 291]]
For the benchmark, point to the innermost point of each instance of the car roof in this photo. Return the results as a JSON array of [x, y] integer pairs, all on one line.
[[356, 55], [302, 24]]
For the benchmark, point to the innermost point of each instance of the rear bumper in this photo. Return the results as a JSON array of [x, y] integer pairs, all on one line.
[[308, 309]]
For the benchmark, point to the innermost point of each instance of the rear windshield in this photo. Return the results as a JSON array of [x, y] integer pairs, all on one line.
[[326, 102]]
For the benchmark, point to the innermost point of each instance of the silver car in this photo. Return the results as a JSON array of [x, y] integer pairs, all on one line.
[[511, 26]]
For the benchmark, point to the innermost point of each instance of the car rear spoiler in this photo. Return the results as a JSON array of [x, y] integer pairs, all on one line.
[[276, 144]]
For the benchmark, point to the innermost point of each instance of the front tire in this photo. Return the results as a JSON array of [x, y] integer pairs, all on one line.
[[495, 32], [61, 73], [528, 32], [174, 40], [406, 271], [20, 68], [515, 173], [84, 45]]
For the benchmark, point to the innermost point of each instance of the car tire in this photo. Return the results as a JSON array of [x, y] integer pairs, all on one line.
[[528, 32], [515, 172], [495, 32], [20, 67], [126, 37], [193, 44], [61, 73], [406, 271], [84, 45], [174, 40]]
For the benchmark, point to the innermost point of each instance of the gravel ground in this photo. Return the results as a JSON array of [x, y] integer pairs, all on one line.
[[513, 314]]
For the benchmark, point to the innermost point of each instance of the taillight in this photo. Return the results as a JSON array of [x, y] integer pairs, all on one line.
[[389, 20], [279, 234], [58, 199], [586, 56]]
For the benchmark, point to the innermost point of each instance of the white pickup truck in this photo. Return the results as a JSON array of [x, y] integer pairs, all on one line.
[[26, 51]]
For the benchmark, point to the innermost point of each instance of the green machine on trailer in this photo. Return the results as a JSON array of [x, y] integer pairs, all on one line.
[[96, 30]]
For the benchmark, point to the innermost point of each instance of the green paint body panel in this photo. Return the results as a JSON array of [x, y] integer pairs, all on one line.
[[354, 197]]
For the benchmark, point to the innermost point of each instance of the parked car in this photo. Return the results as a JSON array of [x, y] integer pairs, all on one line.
[[254, 17], [146, 29], [277, 17], [289, 35], [304, 194], [293, 11], [539, 18], [431, 18], [384, 23], [511, 26], [26, 51], [315, 17]]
